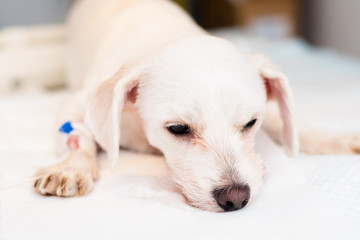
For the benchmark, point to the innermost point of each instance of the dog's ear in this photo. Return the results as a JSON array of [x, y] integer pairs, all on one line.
[[278, 89], [103, 113]]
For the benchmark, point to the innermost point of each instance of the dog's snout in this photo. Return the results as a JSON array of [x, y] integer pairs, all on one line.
[[233, 197]]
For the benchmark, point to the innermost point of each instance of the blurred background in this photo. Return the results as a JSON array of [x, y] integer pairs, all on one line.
[[330, 24]]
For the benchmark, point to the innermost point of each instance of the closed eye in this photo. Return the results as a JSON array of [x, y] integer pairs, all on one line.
[[250, 124]]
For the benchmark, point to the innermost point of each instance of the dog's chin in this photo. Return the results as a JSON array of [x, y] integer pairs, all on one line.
[[204, 205]]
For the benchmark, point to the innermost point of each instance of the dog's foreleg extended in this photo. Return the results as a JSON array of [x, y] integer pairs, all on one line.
[[312, 141], [76, 174], [317, 142]]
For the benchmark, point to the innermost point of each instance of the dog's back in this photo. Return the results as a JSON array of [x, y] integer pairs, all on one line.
[[118, 32]]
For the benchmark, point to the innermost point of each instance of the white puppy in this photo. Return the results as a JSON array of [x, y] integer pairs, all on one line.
[[150, 80]]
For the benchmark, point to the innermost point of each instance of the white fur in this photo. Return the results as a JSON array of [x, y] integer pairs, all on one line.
[[140, 65]]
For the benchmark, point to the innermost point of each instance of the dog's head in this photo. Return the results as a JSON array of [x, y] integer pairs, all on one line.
[[201, 102]]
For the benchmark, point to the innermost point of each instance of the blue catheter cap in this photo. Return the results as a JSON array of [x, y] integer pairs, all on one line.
[[66, 128]]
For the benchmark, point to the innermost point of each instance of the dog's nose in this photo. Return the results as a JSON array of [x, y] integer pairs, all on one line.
[[233, 197]]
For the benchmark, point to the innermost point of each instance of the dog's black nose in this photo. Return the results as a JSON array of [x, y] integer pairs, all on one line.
[[233, 197]]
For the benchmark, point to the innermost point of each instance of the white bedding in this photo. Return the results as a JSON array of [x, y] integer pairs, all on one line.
[[307, 197]]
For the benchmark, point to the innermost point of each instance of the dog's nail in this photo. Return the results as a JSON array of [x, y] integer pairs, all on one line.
[[47, 181], [36, 183], [62, 183]]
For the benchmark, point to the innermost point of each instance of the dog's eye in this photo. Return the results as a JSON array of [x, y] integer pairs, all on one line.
[[179, 129], [250, 124]]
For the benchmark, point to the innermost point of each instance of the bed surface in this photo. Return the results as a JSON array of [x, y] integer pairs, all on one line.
[[306, 197]]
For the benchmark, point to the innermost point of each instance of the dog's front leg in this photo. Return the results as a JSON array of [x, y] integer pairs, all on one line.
[[312, 141], [316, 142], [76, 174]]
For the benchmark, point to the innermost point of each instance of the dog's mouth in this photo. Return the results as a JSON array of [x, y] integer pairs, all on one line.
[[211, 206], [206, 204], [225, 197], [219, 200]]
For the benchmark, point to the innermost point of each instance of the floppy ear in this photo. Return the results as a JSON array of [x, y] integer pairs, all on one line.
[[103, 114], [278, 89]]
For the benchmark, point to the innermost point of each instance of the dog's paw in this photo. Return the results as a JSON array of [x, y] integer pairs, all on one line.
[[350, 143], [65, 182], [342, 144], [322, 144], [66, 179]]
